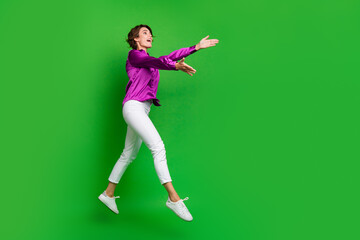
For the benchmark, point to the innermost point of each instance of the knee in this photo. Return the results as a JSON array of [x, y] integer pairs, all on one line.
[[157, 148], [128, 156]]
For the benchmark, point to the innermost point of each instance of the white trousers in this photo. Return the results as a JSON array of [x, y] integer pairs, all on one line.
[[140, 129]]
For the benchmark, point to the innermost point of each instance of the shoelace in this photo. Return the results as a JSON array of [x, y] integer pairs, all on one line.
[[182, 200], [113, 197], [182, 204]]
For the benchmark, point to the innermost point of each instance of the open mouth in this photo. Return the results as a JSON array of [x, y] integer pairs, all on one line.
[[148, 40]]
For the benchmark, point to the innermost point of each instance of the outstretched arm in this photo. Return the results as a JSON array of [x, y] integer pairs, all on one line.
[[184, 52], [181, 53], [141, 59]]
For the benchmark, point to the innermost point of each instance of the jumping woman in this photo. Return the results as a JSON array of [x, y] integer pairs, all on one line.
[[143, 73]]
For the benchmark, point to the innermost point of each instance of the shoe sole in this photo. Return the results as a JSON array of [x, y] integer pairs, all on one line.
[[178, 214], [101, 198]]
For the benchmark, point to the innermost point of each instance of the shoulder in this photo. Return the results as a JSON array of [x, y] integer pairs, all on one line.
[[134, 52]]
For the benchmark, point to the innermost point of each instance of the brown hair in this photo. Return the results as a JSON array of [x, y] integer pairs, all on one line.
[[134, 33]]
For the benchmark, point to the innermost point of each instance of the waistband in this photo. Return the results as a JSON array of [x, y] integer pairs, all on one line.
[[148, 102]]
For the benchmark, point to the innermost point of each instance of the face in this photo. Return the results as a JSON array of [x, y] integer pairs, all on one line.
[[144, 41]]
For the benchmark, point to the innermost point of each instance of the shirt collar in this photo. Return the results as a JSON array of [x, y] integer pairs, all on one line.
[[143, 51]]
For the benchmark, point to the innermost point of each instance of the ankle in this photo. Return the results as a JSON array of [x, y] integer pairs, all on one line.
[[109, 194], [174, 198]]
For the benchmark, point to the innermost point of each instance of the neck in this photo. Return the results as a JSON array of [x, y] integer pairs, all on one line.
[[140, 48]]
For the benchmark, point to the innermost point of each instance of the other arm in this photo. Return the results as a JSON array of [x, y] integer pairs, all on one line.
[[139, 59]]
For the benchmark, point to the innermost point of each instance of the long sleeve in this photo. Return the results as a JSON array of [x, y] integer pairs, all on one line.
[[180, 53], [141, 59]]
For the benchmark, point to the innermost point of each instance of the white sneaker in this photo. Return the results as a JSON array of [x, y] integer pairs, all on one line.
[[180, 209], [109, 202]]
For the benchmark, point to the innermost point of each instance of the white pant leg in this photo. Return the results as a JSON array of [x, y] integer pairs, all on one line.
[[132, 145], [136, 116]]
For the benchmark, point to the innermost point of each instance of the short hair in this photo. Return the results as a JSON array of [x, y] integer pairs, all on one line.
[[134, 33]]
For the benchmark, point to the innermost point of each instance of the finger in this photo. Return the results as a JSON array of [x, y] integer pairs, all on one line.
[[189, 72], [188, 66], [190, 69]]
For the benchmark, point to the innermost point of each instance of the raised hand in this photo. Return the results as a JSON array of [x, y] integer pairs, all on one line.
[[181, 65], [205, 43]]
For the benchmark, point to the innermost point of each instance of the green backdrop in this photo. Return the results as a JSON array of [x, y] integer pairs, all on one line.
[[263, 139]]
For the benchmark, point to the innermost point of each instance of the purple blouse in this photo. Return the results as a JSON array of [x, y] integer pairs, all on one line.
[[143, 72]]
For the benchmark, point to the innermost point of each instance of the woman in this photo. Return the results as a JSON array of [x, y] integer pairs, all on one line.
[[143, 72]]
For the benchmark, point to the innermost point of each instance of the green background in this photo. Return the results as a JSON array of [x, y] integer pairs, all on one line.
[[263, 139]]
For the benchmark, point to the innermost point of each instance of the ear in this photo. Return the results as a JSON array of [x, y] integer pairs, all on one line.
[[136, 42]]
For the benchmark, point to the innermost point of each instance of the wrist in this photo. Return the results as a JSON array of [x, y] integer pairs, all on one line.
[[197, 47]]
